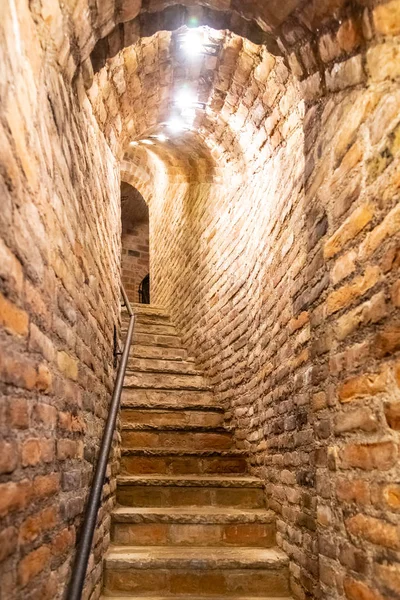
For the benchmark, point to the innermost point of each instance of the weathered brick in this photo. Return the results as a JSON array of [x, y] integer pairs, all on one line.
[[372, 311], [360, 419], [33, 564], [36, 525], [387, 18], [12, 318], [348, 230], [8, 456], [347, 294], [353, 490], [374, 530], [36, 450], [369, 384], [383, 62], [357, 590], [381, 456], [68, 365], [8, 542]]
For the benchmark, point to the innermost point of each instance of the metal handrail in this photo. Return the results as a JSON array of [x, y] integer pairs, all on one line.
[[94, 500]]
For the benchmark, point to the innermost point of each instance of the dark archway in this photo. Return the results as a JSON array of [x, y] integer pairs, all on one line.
[[135, 240]]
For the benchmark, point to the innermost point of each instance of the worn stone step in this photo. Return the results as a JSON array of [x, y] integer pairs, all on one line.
[[171, 418], [157, 380], [212, 439], [152, 328], [152, 491], [146, 310], [147, 339], [191, 597], [231, 572], [176, 367], [184, 527], [169, 399], [169, 461], [159, 352]]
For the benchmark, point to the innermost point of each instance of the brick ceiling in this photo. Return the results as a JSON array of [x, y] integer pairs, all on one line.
[[133, 68]]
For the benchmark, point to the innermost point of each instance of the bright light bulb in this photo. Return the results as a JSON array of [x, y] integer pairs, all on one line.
[[193, 43], [176, 125], [189, 114], [147, 142], [185, 98]]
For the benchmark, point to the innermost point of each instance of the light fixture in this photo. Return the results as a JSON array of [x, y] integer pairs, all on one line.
[[185, 98], [189, 114], [193, 43], [176, 125]]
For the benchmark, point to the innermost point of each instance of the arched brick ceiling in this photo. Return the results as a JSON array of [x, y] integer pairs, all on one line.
[[133, 96], [277, 23], [264, 49]]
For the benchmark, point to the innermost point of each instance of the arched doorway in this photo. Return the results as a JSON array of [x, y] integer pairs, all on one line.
[[135, 244]]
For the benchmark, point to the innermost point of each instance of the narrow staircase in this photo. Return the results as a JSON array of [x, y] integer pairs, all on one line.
[[190, 523]]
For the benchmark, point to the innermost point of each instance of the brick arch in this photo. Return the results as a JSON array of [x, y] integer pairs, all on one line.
[[174, 17]]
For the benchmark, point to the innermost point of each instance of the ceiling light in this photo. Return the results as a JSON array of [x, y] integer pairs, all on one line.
[[147, 142], [189, 114], [185, 98], [192, 43], [176, 125]]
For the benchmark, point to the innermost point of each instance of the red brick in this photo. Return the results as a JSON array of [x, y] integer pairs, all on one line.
[[380, 456], [37, 450], [8, 456], [357, 590], [12, 318], [362, 386], [33, 564], [374, 530]]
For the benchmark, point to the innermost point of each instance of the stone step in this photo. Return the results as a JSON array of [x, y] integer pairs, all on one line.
[[201, 439], [168, 461], [151, 310], [193, 490], [231, 572], [176, 367], [183, 527], [191, 597], [147, 339], [154, 328], [171, 418], [169, 399], [157, 380], [159, 352]]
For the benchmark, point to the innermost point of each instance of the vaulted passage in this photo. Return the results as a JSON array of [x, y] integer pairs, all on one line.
[[245, 156]]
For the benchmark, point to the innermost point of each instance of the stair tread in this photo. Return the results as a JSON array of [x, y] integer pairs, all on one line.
[[192, 480], [177, 557], [210, 514], [153, 405], [190, 597], [126, 426], [160, 371], [175, 452]]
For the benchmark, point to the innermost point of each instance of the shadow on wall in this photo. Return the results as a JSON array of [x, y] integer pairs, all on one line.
[[135, 241]]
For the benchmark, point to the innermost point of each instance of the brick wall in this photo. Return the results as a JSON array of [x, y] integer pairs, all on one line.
[[275, 247], [59, 296], [135, 258], [284, 283]]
